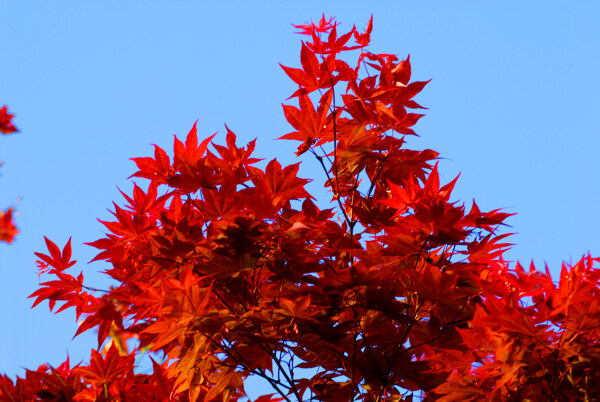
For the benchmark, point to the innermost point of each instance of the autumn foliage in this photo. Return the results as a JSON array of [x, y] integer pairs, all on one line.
[[391, 291], [8, 230]]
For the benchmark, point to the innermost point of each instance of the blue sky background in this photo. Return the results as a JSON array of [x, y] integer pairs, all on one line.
[[513, 105]]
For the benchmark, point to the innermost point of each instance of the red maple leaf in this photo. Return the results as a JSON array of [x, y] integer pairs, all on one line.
[[8, 230], [6, 125]]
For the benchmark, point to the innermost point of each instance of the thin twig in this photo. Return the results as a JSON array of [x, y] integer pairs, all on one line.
[[337, 197]]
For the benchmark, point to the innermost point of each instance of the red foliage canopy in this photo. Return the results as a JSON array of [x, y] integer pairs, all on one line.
[[227, 270]]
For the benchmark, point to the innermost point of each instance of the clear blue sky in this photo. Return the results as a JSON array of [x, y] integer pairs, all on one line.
[[513, 105]]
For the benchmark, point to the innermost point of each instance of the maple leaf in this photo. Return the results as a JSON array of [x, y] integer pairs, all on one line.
[[105, 371], [143, 202], [191, 170], [6, 125], [324, 25], [487, 220], [103, 314], [190, 152], [311, 125], [8, 230], [487, 248], [336, 45], [57, 260], [365, 38], [284, 183], [157, 169], [222, 202], [237, 159]]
